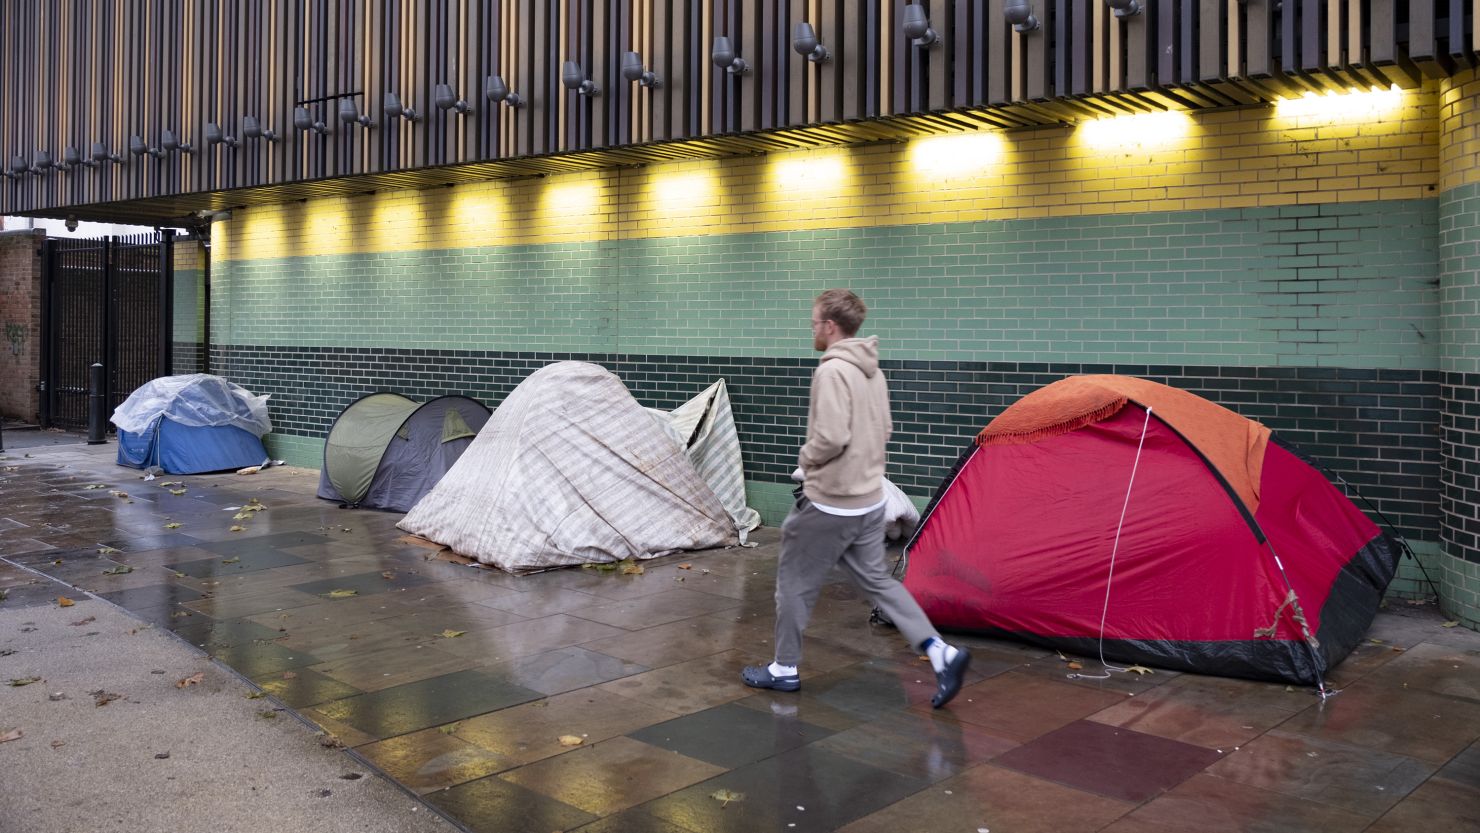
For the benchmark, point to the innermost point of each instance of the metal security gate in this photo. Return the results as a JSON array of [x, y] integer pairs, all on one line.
[[105, 301]]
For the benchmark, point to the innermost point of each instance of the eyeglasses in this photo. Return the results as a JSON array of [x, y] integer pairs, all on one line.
[[816, 322]]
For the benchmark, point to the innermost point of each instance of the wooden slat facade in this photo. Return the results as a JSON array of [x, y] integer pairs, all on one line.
[[74, 73]]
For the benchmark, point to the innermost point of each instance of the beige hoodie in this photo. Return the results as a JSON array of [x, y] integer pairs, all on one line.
[[848, 423]]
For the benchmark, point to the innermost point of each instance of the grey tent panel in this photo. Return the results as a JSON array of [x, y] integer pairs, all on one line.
[[386, 451]]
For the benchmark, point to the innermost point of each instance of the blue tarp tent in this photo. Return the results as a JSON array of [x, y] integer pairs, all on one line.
[[191, 424]]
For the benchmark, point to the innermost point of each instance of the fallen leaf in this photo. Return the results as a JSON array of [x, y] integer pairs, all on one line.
[[96, 486], [57, 697], [106, 550], [1074, 666], [1140, 669], [172, 526], [685, 566], [63, 601], [237, 528], [116, 493], [451, 634], [17, 683], [161, 756], [351, 776], [254, 695], [571, 740], [178, 574], [388, 575], [232, 560], [120, 570], [1450, 624], [290, 675], [267, 714], [80, 622], [451, 728], [249, 470], [13, 734], [329, 741], [58, 744], [165, 484], [103, 698], [193, 679], [724, 797], [177, 491], [631, 569], [342, 594]]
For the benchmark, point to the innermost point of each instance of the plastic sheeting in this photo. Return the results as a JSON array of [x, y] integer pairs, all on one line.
[[197, 400], [571, 470]]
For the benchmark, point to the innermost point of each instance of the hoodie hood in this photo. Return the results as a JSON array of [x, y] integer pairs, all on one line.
[[861, 352]]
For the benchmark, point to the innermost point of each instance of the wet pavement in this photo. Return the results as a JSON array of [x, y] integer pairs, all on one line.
[[601, 701]]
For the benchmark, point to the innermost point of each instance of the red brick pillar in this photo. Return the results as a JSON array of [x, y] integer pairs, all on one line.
[[20, 324]]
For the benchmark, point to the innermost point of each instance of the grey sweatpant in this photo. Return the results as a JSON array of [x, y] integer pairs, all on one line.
[[812, 541]]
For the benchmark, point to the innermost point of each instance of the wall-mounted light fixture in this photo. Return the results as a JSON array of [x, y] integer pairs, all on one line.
[[303, 121], [42, 162], [633, 70], [216, 136], [72, 158], [394, 110], [1124, 8], [804, 41], [575, 79], [168, 141], [917, 26], [725, 58], [18, 168], [496, 90], [350, 114], [1020, 14], [446, 99], [100, 154], [138, 147], [252, 129]]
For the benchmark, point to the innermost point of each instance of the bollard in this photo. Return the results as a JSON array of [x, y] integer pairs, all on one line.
[[97, 403]]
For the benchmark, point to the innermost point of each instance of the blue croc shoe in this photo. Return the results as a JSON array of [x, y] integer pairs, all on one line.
[[760, 676]]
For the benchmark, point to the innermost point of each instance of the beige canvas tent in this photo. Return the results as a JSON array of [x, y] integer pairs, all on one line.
[[570, 469]]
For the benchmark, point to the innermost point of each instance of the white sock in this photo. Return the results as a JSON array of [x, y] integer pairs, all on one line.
[[940, 654], [779, 670]]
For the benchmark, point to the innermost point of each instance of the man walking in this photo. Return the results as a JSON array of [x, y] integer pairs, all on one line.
[[840, 517]]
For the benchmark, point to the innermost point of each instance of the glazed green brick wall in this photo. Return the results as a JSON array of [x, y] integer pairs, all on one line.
[[1340, 285], [1459, 298], [189, 311]]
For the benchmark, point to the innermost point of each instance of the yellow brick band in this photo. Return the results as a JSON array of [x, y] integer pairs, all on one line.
[[1239, 158]]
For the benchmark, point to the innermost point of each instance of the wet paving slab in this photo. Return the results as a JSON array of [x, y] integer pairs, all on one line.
[[599, 701]]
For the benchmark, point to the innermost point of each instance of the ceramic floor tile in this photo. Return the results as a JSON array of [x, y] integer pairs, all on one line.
[[1360, 780], [392, 667], [522, 639], [301, 687], [655, 609], [992, 798], [689, 686], [254, 659], [564, 669], [810, 788], [1208, 804], [1116, 763], [1437, 805], [345, 613], [430, 702], [531, 731], [428, 761], [492, 805], [730, 736], [251, 604], [917, 745], [230, 565], [331, 642], [612, 775], [1208, 711], [363, 584], [153, 595], [1416, 724], [1021, 707], [1464, 768]]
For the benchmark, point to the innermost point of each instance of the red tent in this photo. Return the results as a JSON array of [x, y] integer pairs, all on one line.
[[1107, 510]]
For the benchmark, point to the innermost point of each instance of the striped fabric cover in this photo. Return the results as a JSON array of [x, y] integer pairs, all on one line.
[[707, 426], [571, 470]]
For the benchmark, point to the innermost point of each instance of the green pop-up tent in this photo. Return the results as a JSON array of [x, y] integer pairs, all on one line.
[[386, 451]]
